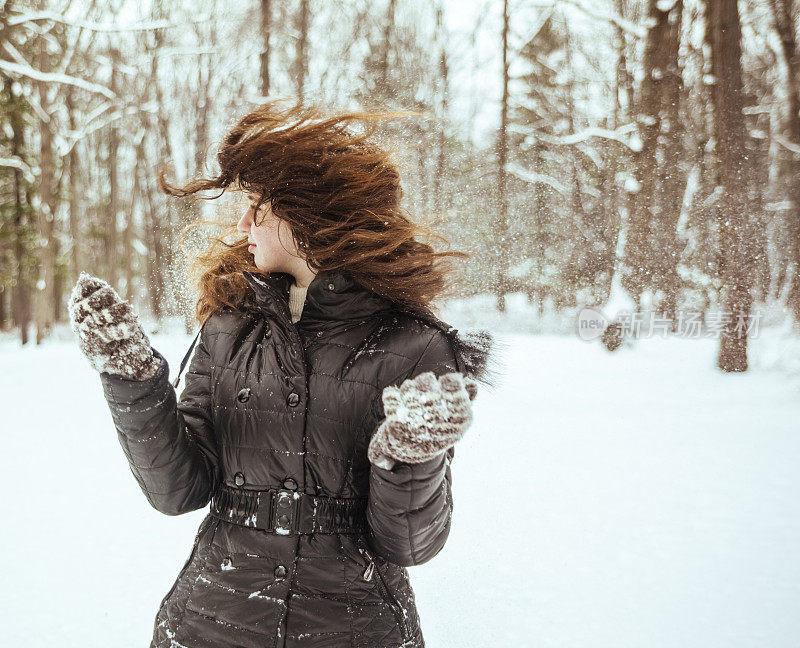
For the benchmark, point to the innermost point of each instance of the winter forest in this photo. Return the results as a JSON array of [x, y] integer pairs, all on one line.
[[582, 152], [624, 175]]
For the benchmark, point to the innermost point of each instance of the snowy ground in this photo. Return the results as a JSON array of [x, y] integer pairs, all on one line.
[[638, 500]]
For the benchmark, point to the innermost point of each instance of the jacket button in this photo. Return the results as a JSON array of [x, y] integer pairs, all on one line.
[[280, 571], [290, 483], [319, 333], [267, 332], [243, 395], [238, 479], [331, 286], [293, 399], [283, 520]]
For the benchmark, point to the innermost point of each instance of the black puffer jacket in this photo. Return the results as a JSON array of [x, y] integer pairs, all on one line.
[[306, 543]]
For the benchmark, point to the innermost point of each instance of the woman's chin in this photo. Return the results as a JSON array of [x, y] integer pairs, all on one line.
[[264, 267]]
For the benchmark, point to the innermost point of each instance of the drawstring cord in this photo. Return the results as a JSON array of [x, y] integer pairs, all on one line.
[[185, 360]]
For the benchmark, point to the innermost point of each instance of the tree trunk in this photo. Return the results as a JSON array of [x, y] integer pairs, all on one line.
[[301, 51], [736, 258], [45, 285], [164, 226], [156, 288], [441, 160], [266, 30], [501, 222], [157, 261], [646, 207], [20, 292], [76, 251], [783, 12], [388, 29], [673, 178], [127, 246], [112, 236], [620, 159]]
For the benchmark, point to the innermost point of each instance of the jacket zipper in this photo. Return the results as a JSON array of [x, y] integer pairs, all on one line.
[[383, 589]]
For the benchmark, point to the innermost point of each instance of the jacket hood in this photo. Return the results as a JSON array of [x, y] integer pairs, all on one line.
[[475, 350]]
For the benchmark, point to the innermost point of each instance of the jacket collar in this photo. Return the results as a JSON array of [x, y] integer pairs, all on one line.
[[331, 295]]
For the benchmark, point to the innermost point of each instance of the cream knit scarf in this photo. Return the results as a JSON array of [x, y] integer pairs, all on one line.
[[297, 297]]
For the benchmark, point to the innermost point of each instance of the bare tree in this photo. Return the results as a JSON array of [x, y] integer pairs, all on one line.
[[75, 233], [650, 247], [45, 285], [300, 65], [673, 177], [783, 12], [266, 33], [441, 160], [736, 257], [112, 256], [501, 220]]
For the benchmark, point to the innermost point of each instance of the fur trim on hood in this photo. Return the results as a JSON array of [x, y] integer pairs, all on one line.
[[476, 350]]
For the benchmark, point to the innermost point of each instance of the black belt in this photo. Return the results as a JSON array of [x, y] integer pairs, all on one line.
[[286, 512]]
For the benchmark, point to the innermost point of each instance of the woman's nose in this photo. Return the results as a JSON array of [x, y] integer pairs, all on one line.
[[244, 223]]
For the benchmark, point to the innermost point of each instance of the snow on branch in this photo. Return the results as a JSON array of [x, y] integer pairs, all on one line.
[[32, 16], [535, 178], [640, 31], [94, 122], [28, 71], [595, 131], [785, 143], [16, 163], [618, 135], [543, 20]]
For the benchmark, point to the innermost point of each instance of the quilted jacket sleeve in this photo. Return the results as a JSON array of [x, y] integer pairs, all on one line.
[[170, 445], [410, 506]]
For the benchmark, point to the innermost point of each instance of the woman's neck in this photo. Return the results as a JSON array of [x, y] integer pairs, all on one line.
[[303, 275]]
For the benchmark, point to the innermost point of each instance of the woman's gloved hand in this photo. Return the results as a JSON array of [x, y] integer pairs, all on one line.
[[109, 333], [424, 417]]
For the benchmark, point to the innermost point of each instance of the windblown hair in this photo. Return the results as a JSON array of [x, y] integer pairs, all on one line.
[[340, 194]]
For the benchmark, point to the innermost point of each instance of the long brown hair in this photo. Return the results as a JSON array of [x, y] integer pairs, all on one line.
[[338, 191]]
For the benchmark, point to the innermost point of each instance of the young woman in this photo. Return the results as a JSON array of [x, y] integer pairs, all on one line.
[[321, 405]]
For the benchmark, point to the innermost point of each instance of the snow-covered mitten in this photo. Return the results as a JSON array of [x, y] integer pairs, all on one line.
[[109, 333], [424, 417]]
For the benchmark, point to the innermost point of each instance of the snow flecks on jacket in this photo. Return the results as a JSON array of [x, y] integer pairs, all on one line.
[[171, 636], [210, 435], [371, 344], [257, 594]]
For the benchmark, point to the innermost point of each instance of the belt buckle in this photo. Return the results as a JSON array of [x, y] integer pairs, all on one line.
[[285, 511]]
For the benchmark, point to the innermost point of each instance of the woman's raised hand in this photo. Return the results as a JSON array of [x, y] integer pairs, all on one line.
[[109, 333], [424, 417]]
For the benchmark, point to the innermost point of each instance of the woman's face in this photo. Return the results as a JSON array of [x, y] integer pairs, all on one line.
[[267, 249]]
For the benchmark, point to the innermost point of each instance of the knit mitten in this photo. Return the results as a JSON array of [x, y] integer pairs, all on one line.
[[424, 417], [109, 333]]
